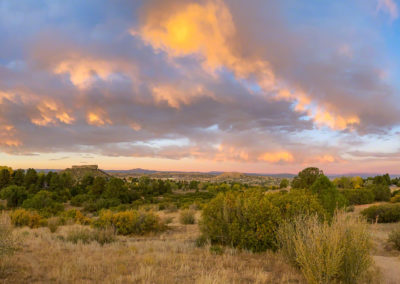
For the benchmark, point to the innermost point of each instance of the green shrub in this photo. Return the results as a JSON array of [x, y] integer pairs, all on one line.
[[394, 238], [79, 199], [101, 203], [336, 252], [245, 220], [297, 202], [44, 203], [187, 217], [395, 199], [22, 217], [381, 192], [130, 222], [359, 196], [385, 213]]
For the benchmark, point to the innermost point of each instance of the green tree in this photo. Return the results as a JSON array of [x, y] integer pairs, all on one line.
[[99, 185], [328, 194], [18, 177], [5, 178], [284, 183], [15, 195], [31, 178], [306, 177], [384, 180]]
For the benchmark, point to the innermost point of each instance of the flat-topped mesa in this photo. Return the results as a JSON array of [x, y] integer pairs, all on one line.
[[92, 167]]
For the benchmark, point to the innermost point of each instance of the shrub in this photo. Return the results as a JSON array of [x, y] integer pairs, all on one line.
[[381, 192], [327, 252], [101, 203], [22, 217], [130, 222], [395, 199], [245, 220], [359, 196], [53, 223], [385, 213], [44, 203], [297, 202], [79, 199], [79, 234], [187, 217], [394, 238], [75, 216], [104, 236], [86, 235]]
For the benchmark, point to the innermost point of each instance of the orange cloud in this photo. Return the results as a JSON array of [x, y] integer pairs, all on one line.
[[135, 126], [98, 118], [7, 136], [51, 113], [175, 97], [83, 71], [208, 30], [274, 157]]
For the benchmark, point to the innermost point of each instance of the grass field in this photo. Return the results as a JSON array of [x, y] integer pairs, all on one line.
[[170, 257]]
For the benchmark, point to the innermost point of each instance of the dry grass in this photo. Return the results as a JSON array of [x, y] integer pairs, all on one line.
[[328, 252], [170, 257]]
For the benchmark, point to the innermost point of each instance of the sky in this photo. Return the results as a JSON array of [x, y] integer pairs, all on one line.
[[201, 85]]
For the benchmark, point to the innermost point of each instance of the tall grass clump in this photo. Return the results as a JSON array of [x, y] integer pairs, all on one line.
[[394, 238], [327, 252], [187, 217], [8, 243], [87, 235]]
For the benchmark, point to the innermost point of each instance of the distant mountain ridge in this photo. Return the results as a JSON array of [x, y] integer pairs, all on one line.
[[216, 173]]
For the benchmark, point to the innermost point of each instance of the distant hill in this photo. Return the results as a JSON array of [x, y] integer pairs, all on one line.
[[133, 171], [78, 172], [230, 175]]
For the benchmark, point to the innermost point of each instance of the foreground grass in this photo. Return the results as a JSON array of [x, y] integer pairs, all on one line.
[[170, 257]]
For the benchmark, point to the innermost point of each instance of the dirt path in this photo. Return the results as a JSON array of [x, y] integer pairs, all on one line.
[[389, 267], [386, 258]]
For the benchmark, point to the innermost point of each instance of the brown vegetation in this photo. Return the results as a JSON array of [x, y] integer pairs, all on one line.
[[169, 257]]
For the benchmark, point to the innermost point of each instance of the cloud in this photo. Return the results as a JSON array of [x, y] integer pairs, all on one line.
[[206, 29], [388, 6], [234, 80]]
